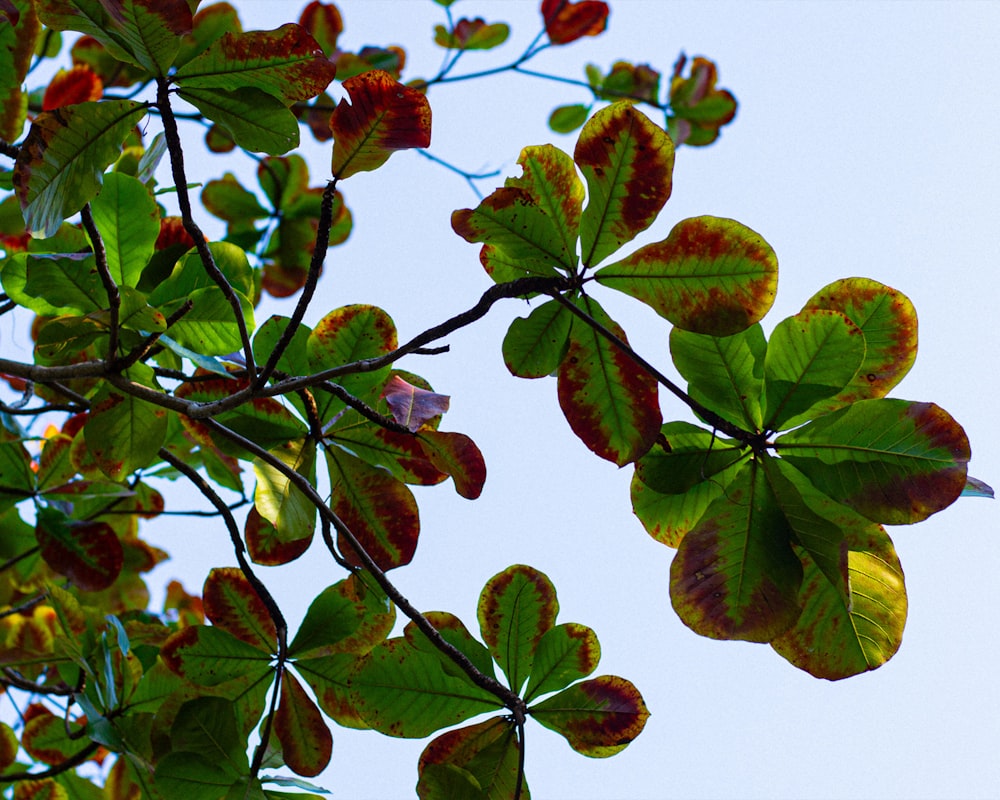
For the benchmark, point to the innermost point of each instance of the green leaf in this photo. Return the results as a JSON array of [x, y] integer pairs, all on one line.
[[124, 433], [17, 44], [54, 285], [295, 359], [60, 164], [257, 120], [609, 401], [348, 616], [453, 631], [627, 162], [724, 374], [684, 456], [286, 63], [735, 575], [383, 117], [402, 691], [232, 604], [401, 454], [599, 717], [46, 737], [893, 461], [209, 327], [516, 608], [208, 656], [810, 358], [566, 119], [710, 275], [306, 742], [279, 501], [377, 508], [535, 345], [330, 679], [192, 776], [477, 761], [564, 654], [88, 553], [207, 726], [189, 274], [889, 322], [17, 480], [471, 34], [228, 200]]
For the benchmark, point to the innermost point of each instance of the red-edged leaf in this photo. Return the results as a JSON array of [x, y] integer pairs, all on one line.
[[564, 654], [279, 500], [378, 509], [609, 401], [330, 679], [232, 604], [458, 455], [346, 617], [76, 85], [400, 453], [412, 406], [88, 553], [266, 545], [17, 41], [383, 116], [628, 163], [209, 656], [599, 717], [567, 21], [699, 109], [286, 62], [471, 34], [476, 761], [306, 742], [324, 23], [45, 736]]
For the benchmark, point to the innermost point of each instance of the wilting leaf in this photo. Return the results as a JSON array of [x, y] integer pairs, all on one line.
[[889, 322], [60, 165], [627, 162], [599, 717], [306, 742], [516, 608], [412, 406], [476, 761], [893, 461], [976, 488], [80, 84], [535, 345], [471, 34], [324, 23], [378, 509], [567, 21], [383, 116], [564, 654], [88, 553], [267, 546], [735, 575], [699, 109], [232, 605], [724, 373], [403, 691], [17, 45], [608, 400], [129, 222], [278, 500], [457, 455], [286, 63], [710, 275], [256, 120], [810, 358]]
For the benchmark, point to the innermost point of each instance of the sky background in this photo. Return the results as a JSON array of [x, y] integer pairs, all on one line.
[[864, 145]]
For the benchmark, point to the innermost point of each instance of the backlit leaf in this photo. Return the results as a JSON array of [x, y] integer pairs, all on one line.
[[129, 222], [329, 677], [286, 63], [267, 546], [79, 84], [54, 285], [402, 691], [481, 758], [59, 167], [516, 608], [189, 274], [402, 454], [209, 327], [17, 480], [232, 605], [810, 358], [306, 742], [608, 400], [256, 120], [412, 406], [735, 575], [710, 275], [324, 23], [889, 322], [208, 656], [383, 116], [685, 455], [458, 455], [471, 34], [535, 345], [599, 717], [568, 118], [699, 108], [278, 500], [46, 736], [17, 44], [567, 21], [88, 553], [564, 654], [627, 162], [346, 617], [192, 776], [39, 789], [207, 726], [228, 200], [378, 509], [893, 461], [453, 631]]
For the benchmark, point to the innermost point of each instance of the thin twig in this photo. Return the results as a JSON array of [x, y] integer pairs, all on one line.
[[104, 271]]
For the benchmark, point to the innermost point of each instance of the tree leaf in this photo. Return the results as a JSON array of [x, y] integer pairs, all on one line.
[[192, 776], [17, 44], [458, 455], [88, 553], [453, 631], [232, 605], [889, 322], [566, 21], [324, 23], [599, 717], [227, 199], [402, 454], [412, 406], [267, 546], [710, 275], [379, 510], [306, 742], [627, 162], [207, 726], [608, 400], [46, 737], [810, 358], [735, 575], [55, 285], [893, 461], [402, 691], [208, 656], [568, 118], [725, 374], [80, 84], [348, 616], [286, 63], [209, 327], [17, 480], [189, 274], [60, 164], [535, 345], [257, 120], [564, 654], [478, 761], [329, 677], [699, 108], [471, 34], [516, 608], [278, 500], [684, 456], [383, 116]]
